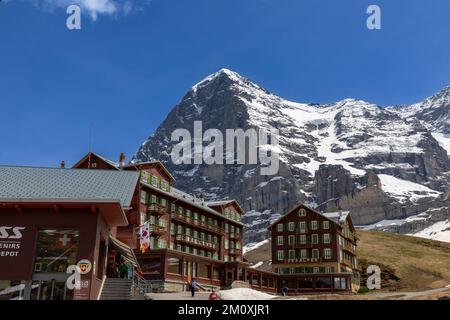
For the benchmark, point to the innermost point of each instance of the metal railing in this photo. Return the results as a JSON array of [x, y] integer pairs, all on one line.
[[141, 285]]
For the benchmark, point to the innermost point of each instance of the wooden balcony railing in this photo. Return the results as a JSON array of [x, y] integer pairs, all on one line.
[[349, 250], [157, 209], [198, 223], [205, 244], [157, 230]]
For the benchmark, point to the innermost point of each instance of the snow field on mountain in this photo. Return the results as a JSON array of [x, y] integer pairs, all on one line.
[[404, 190]]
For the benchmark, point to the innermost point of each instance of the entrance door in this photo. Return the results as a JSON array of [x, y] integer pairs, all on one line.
[[50, 290], [229, 277]]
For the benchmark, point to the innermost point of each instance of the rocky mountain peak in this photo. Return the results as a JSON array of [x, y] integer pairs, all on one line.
[[350, 154]]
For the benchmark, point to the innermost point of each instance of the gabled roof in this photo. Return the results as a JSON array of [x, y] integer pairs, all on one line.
[[223, 203], [150, 163], [55, 184], [338, 216], [335, 217], [112, 164]]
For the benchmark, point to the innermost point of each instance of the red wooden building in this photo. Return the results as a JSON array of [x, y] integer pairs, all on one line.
[[315, 252], [177, 236]]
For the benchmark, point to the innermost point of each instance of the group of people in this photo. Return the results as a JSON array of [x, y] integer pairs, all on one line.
[[122, 270]]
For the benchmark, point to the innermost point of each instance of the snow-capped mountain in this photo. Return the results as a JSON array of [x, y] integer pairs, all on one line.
[[380, 163]]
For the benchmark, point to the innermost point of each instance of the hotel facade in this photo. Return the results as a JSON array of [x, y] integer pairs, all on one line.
[[315, 252]]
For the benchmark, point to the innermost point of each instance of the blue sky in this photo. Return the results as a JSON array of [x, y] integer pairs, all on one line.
[[123, 72]]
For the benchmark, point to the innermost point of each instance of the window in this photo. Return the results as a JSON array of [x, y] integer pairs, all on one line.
[[280, 255], [291, 240], [315, 238], [154, 181], [326, 225], [302, 226], [226, 244], [302, 213], [173, 266], [303, 239], [329, 269], [340, 283], [203, 270], [144, 197], [326, 238], [216, 273], [291, 226], [323, 283], [291, 254], [315, 253], [316, 270], [306, 283], [327, 253], [304, 254], [314, 225], [280, 227], [56, 250], [164, 185], [280, 240]]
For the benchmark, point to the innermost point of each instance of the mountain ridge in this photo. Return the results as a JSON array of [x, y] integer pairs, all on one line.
[[356, 143]]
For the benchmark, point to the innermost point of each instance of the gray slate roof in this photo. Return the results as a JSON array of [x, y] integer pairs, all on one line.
[[337, 216], [30, 183]]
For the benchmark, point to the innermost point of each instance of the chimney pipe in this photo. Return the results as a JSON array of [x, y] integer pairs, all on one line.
[[122, 159], [63, 164]]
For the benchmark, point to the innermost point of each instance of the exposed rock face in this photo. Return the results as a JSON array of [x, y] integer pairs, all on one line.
[[379, 163]]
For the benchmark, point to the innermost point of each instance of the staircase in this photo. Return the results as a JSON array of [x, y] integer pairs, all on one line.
[[116, 289]]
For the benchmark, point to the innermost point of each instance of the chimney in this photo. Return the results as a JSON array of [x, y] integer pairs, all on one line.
[[122, 159], [63, 164]]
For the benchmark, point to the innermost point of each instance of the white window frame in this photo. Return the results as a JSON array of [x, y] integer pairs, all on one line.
[[291, 226], [280, 255], [316, 237], [280, 240]]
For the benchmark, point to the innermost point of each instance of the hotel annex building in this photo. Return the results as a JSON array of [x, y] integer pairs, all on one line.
[[101, 212]]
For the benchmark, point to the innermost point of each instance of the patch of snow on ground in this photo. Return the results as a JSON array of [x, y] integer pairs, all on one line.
[[404, 190], [244, 294], [257, 265], [439, 231], [252, 246]]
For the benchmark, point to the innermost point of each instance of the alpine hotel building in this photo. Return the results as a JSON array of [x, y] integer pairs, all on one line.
[[315, 252], [101, 211]]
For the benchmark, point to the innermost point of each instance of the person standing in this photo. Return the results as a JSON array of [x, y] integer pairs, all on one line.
[[193, 287]]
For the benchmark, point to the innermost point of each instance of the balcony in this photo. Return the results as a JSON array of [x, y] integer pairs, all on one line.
[[235, 252], [349, 250], [204, 244], [198, 223], [156, 230], [156, 208]]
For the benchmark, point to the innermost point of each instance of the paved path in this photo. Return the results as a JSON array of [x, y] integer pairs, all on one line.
[[178, 296], [409, 295]]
